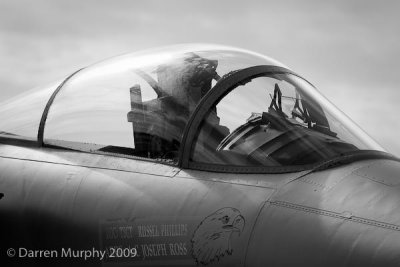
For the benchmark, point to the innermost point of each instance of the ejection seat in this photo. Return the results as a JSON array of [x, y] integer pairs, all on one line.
[[158, 124]]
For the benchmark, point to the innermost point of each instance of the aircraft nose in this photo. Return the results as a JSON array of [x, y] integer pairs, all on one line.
[[343, 216], [375, 192], [376, 208], [366, 204]]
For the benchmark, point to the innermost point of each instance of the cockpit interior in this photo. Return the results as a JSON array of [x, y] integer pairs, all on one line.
[[190, 105]]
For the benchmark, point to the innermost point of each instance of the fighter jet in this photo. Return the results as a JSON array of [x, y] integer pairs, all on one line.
[[192, 155]]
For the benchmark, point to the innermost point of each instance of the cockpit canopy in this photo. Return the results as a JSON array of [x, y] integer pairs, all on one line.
[[210, 104]]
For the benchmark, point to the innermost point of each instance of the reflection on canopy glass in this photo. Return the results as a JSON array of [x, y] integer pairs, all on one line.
[[139, 104], [274, 120], [20, 116]]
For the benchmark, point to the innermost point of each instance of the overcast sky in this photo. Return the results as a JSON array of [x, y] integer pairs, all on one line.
[[348, 49]]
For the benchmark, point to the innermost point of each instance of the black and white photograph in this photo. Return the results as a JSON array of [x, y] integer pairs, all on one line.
[[199, 133]]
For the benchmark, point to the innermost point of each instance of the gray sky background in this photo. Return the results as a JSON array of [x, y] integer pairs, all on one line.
[[347, 49]]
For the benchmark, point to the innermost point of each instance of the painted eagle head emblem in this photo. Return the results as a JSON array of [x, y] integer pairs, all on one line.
[[211, 239]]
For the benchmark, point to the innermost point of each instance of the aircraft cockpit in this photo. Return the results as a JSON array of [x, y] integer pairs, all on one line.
[[203, 107], [159, 123], [284, 126]]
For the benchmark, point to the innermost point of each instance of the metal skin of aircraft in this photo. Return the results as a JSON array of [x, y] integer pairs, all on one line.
[[192, 155]]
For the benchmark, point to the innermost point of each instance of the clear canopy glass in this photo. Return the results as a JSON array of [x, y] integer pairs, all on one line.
[[20, 116], [139, 105], [277, 119]]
